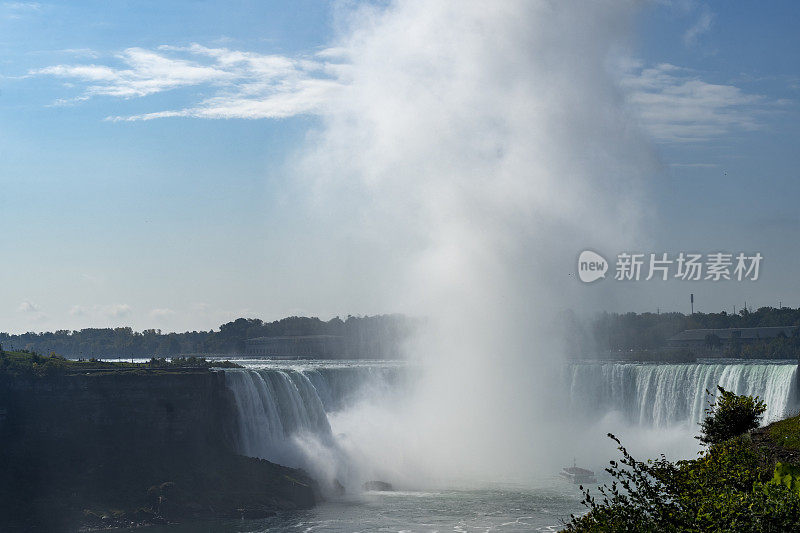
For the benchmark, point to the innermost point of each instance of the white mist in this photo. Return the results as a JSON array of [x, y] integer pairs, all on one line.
[[474, 150]]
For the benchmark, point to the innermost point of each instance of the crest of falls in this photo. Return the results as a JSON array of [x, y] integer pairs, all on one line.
[[665, 395]]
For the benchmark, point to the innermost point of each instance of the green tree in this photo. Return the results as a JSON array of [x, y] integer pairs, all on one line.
[[730, 416]]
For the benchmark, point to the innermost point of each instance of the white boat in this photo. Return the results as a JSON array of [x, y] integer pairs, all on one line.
[[578, 476]]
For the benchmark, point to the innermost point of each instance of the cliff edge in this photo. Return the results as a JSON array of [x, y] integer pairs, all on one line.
[[121, 447]]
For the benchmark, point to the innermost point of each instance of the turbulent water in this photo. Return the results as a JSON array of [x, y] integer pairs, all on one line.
[[500, 509]]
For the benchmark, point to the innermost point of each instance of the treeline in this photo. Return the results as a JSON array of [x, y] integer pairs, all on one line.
[[31, 364], [780, 347], [615, 332], [383, 336], [379, 337]]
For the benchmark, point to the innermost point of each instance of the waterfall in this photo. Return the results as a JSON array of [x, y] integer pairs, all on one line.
[[665, 395], [339, 421], [281, 409]]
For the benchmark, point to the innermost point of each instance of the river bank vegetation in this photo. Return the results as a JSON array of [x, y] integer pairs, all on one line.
[[31, 364], [745, 480]]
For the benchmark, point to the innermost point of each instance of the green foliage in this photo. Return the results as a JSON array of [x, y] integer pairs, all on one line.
[[727, 489], [787, 475], [786, 433], [639, 498], [25, 363], [729, 416], [31, 364], [731, 487]]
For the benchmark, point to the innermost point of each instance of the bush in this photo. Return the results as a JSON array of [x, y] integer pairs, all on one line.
[[731, 487], [730, 416], [728, 489]]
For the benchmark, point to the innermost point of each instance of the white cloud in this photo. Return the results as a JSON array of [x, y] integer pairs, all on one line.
[[675, 105], [101, 311], [77, 310], [201, 307], [28, 307], [242, 84], [23, 6], [672, 103], [115, 310], [149, 73], [701, 26], [32, 311], [81, 52], [161, 313], [17, 10], [20, 7]]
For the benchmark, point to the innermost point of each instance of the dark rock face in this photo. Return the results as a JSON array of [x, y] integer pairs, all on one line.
[[378, 485], [121, 412], [130, 447]]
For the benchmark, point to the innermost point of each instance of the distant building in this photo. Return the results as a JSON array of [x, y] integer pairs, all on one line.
[[296, 347], [695, 338]]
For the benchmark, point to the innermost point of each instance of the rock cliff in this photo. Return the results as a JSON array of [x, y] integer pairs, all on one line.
[[119, 447]]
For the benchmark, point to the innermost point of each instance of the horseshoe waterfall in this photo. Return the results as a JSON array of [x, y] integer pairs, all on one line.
[[293, 413]]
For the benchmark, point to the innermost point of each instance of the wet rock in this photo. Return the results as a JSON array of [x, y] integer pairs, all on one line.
[[381, 486]]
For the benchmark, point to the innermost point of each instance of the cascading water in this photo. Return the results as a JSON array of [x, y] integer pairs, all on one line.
[[274, 405], [667, 395], [317, 415], [283, 410]]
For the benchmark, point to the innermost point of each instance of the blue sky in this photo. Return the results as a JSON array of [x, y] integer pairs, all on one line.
[[144, 149]]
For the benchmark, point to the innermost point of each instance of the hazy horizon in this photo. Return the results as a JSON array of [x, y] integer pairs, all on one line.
[[171, 176]]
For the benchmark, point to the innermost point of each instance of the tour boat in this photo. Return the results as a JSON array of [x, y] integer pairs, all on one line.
[[578, 476]]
